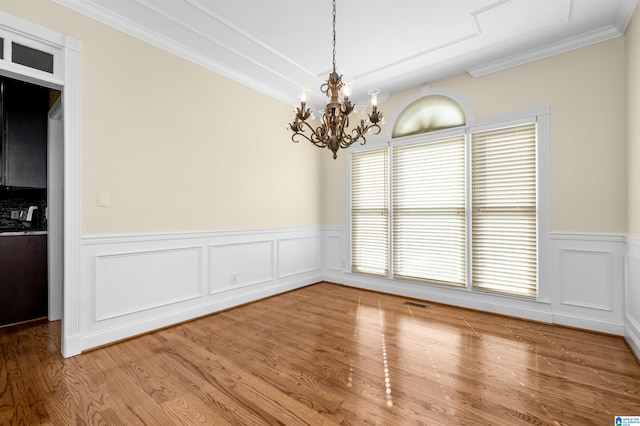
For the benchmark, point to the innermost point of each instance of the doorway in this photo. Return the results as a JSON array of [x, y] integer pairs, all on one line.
[[30, 164], [32, 156], [60, 70]]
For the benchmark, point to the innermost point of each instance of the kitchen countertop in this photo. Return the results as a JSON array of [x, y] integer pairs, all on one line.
[[24, 232]]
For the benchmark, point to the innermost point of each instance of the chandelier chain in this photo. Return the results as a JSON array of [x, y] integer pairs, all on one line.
[[334, 35]]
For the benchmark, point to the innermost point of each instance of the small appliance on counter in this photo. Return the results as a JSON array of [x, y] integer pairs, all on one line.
[[22, 209]]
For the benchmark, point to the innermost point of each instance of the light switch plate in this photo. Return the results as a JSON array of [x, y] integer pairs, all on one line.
[[103, 199]]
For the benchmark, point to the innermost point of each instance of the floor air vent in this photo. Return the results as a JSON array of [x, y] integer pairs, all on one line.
[[417, 305]]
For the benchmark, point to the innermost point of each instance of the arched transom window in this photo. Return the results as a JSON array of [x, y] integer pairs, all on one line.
[[428, 114]]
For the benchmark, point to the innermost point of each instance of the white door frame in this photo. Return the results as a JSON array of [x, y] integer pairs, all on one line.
[[55, 210], [66, 77]]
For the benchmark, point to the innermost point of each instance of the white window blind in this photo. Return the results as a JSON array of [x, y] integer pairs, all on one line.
[[370, 212], [429, 211], [504, 225]]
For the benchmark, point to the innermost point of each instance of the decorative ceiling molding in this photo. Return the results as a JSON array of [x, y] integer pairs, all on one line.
[[582, 40], [160, 41], [275, 50], [247, 35]]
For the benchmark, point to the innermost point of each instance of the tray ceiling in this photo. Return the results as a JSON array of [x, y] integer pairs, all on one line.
[[277, 46]]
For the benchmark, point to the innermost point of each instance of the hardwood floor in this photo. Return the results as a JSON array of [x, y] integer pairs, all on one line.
[[325, 355]]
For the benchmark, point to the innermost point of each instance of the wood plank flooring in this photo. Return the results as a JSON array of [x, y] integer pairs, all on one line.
[[324, 355]]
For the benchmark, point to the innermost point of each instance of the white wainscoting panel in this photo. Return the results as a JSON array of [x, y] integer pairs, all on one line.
[[632, 295], [335, 246], [333, 253], [299, 255], [136, 281], [586, 279], [240, 264], [132, 284]]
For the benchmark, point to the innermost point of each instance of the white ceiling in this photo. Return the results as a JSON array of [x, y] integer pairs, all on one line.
[[277, 46]]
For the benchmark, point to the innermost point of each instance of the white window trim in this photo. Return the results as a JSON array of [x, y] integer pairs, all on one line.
[[540, 115]]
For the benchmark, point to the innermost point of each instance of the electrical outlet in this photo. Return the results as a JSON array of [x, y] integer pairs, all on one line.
[[234, 278], [15, 214]]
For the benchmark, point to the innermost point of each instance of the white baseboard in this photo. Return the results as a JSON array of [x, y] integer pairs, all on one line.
[[509, 306], [72, 345], [632, 336], [588, 323]]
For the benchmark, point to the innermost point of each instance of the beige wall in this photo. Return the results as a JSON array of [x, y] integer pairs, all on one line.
[[171, 142], [166, 138], [585, 90], [632, 45]]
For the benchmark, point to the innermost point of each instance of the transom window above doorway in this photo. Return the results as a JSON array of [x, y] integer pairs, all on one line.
[[24, 56]]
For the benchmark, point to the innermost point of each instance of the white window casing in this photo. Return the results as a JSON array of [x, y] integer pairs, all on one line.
[[426, 239]]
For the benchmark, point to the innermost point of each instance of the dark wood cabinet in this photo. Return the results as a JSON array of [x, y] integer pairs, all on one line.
[[24, 113], [23, 278]]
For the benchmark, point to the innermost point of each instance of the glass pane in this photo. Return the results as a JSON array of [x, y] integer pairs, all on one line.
[[427, 114], [32, 58], [429, 234], [369, 212], [1, 48], [504, 211]]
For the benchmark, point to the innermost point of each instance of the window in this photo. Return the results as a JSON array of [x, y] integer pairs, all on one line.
[[460, 210], [429, 211], [428, 114], [504, 210], [369, 211], [32, 58], [42, 59]]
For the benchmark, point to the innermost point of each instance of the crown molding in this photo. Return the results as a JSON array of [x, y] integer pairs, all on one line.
[[158, 40], [592, 37], [625, 15], [267, 86]]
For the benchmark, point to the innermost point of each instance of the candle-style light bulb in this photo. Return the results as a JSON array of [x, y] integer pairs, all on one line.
[[374, 96], [362, 113], [304, 94], [346, 90]]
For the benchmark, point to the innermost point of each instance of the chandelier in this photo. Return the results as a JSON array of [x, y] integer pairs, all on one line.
[[333, 131]]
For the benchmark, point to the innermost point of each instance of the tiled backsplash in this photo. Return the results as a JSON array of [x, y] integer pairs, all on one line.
[[20, 200]]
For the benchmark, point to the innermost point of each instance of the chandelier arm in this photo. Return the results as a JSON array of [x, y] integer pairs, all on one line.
[[346, 143], [375, 127], [359, 133], [318, 143], [347, 139], [314, 138]]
